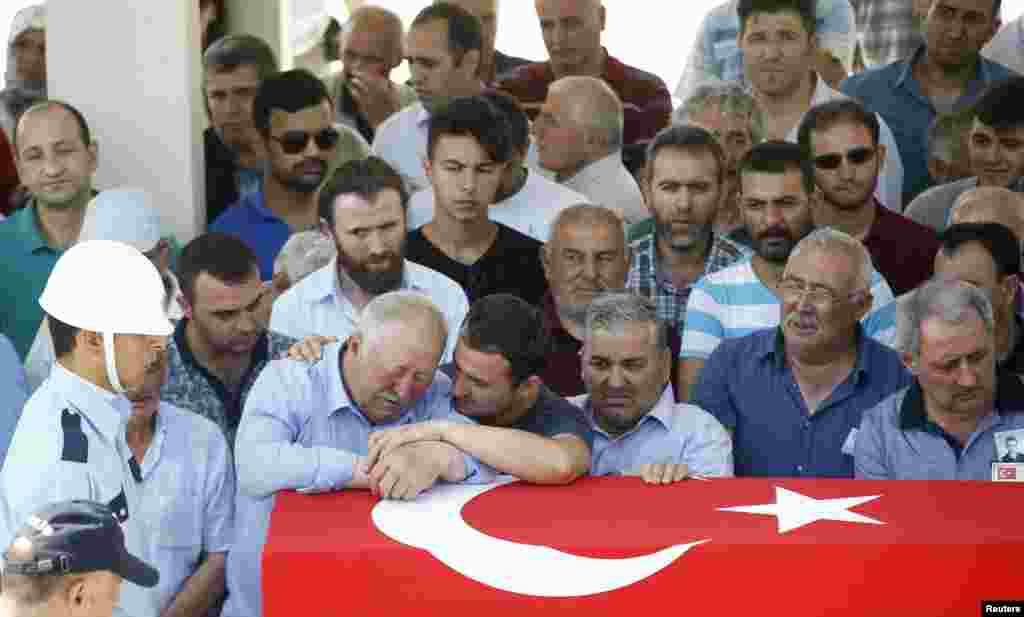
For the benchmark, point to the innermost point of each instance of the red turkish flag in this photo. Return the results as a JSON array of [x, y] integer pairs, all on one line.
[[942, 548]]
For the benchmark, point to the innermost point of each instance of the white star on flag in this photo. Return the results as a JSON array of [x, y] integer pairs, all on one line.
[[794, 510]]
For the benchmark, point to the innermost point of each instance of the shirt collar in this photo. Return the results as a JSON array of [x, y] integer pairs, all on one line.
[[661, 413], [254, 200], [27, 223], [260, 353], [104, 409], [914, 416], [422, 115], [983, 74], [773, 349], [324, 284]]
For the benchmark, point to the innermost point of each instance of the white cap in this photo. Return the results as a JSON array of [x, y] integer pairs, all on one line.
[[29, 18], [123, 215]]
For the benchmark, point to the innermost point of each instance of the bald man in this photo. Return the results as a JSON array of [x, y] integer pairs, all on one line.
[[990, 204], [371, 47], [572, 35], [492, 62], [579, 139]]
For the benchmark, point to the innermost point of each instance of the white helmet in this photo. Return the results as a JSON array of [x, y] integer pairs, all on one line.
[[107, 287]]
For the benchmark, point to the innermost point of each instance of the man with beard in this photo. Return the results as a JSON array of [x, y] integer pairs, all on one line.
[[363, 209], [97, 430], [294, 116], [220, 345], [525, 429], [946, 73], [683, 185], [995, 148], [443, 49], [776, 198], [944, 426], [639, 428], [817, 370], [841, 139]]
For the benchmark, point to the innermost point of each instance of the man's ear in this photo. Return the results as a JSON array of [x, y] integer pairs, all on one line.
[[545, 259], [94, 156], [186, 307]]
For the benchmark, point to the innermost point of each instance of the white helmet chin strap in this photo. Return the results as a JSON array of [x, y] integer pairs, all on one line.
[[108, 354]]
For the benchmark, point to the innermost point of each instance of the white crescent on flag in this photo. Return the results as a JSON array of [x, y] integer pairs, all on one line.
[[434, 523]]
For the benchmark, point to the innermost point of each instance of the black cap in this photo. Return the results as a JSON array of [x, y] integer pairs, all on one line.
[[74, 537]]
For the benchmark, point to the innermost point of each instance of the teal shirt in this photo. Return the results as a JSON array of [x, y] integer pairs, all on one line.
[[25, 263]]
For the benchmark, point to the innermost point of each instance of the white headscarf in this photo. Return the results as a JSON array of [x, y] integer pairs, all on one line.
[[28, 18]]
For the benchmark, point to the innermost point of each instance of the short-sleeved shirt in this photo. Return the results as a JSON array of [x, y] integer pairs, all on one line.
[[671, 432], [190, 386], [511, 265], [174, 507], [315, 306], [734, 302], [898, 441], [13, 394], [748, 385], [530, 210], [901, 250], [26, 260], [647, 104], [302, 430], [894, 93], [645, 278]]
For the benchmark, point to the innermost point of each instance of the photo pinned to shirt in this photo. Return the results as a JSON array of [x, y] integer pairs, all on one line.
[[1010, 446]]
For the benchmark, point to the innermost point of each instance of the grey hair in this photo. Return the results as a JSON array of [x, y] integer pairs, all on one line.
[[731, 98], [400, 307], [597, 106], [590, 214], [944, 298], [304, 253], [610, 312], [829, 240]]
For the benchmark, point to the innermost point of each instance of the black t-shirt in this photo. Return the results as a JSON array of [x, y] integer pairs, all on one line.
[[511, 265]]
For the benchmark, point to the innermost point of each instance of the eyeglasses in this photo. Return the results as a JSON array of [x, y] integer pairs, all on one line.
[[856, 156], [294, 142], [793, 290]]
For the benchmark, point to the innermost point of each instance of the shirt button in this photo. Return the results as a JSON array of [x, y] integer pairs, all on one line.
[[800, 468]]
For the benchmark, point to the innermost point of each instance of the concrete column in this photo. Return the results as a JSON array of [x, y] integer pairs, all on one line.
[[133, 70], [263, 18]]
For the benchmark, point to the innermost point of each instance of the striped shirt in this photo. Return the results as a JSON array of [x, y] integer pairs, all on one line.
[[734, 302]]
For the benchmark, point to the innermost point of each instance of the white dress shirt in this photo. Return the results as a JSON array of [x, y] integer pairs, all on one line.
[[315, 307], [401, 140], [607, 182]]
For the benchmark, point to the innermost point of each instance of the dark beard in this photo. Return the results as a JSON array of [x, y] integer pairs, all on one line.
[[373, 282]]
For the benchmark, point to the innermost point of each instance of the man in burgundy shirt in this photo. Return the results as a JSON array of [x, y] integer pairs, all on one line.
[[842, 141], [572, 35], [586, 255]]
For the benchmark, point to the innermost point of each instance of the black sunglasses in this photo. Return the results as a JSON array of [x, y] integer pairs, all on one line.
[[294, 142], [856, 156]]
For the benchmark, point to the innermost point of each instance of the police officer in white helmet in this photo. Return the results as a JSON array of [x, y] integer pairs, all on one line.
[[105, 305]]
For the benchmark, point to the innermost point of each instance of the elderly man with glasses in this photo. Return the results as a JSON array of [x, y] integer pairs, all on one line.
[[793, 395]]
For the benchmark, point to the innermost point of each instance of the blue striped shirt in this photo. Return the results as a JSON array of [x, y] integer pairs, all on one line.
[[733, 302]]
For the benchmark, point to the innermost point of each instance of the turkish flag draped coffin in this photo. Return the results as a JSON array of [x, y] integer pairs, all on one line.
[[615, 546]]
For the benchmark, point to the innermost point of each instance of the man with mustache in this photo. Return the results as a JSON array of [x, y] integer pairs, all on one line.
[[944, 426], [683, 185], [776, 199], [294, 116], [995, 148], [525, 429], [842, 140], [221, 343], [363, 210], [307, 426], [946, 73], [817, 371], [639, 428], [96, 429]]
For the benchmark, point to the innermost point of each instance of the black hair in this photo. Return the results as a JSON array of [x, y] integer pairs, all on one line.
[[290, 91], [223, 256], [63, 336], [517, 123], [364, 177], [778, 157], [230, 52], [83, 126], [464, 31], [685, 137], [1000, 106], [508, 325], [806, 9], [999, 240], [826, 115], [472, 116]]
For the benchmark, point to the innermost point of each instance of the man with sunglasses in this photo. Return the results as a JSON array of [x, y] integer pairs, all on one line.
[[793, 395], [295, 117], [842, 141]]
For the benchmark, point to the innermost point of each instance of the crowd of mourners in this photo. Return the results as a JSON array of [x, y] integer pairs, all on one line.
[[810, 267]]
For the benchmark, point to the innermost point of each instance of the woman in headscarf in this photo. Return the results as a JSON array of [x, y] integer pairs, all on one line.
[[25, 76]]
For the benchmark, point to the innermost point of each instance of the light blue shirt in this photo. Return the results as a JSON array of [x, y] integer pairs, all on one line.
[[716, 56], [70, 444], [301, 431], [677, 433], [315, 306], [13, 393], [733, 302]]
